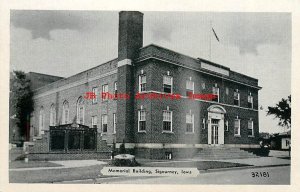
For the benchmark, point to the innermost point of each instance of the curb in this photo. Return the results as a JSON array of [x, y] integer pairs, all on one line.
[[240, 168]]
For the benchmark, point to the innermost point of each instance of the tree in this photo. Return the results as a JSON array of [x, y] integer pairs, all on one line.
[[282, 111], [21, 101]]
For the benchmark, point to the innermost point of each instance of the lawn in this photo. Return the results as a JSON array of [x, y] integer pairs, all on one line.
[[55, 175], [31, 164], [201, 165]]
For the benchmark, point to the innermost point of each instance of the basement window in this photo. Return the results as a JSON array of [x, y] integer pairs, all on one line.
[[168, 155]]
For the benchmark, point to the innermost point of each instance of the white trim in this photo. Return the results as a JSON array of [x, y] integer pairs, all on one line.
[[219, 76], [124, 62], [74, 84], [214, 68]]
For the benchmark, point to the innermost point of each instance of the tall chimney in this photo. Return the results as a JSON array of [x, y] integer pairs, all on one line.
[[130, 41], [130, 34]]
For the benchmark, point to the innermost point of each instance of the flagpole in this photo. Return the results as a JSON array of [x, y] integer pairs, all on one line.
[[210, 27]]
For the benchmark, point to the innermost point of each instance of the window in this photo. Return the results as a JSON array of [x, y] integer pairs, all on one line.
[[236, 97], [104, 90], [80, 111], [203, 123], [95, 92], [250, 128], [94, 121], [142, 120], [203, 86], [215, 91], [116, 88], [41, 121], [104, 123], [250, 101], [142, 83], [52, 115], [226, 126], [227, 91], [114, 123], [168, 84], [189, 87], [189, 123], [167, 120], [237, 127], [65, 117]]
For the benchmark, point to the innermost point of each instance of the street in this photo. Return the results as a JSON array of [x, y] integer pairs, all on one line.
[[277, 175]]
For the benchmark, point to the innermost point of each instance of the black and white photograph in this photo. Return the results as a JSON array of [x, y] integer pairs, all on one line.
[[149, 97]]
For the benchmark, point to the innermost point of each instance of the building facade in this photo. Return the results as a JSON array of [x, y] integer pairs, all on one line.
[[154, 127]]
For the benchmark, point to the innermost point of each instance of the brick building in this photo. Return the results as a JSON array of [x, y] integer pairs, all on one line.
[[154, 128]]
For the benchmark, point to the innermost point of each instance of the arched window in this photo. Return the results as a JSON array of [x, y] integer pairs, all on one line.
[[80, 111], [41, 120], [52, 115], [65, 115]]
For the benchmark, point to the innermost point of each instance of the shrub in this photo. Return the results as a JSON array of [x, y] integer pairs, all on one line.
[[122, 149]]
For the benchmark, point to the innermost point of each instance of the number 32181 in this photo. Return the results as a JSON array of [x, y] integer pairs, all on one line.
[[260, 174]]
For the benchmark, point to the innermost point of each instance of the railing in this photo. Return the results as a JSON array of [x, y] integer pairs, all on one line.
[[72, 137]]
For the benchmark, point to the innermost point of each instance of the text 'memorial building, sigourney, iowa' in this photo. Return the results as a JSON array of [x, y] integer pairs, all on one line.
[[151, 128]]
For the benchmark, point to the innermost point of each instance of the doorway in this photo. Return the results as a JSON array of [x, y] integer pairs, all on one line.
[[216, 125], [215, 131]]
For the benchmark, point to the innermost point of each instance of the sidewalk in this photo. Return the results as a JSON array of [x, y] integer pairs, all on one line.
[[259, 162]]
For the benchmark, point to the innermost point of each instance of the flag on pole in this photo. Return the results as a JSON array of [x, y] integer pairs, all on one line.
[[215, 34]]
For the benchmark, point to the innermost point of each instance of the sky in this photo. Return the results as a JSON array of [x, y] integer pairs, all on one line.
[[64, 43]]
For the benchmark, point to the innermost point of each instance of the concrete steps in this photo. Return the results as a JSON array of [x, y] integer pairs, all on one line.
[[216, 153]]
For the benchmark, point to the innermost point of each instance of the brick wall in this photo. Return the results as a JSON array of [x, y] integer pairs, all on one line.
[[58, 95], [154, 121]]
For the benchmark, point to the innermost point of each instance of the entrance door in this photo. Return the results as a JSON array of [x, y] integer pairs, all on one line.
[[215, 131], [215, 119]]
